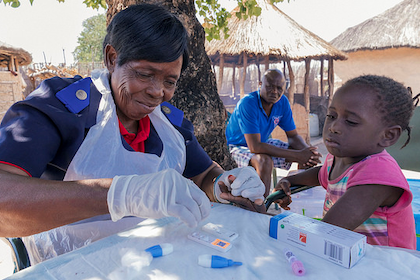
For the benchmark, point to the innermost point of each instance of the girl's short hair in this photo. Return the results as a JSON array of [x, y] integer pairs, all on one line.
[[394, 101], [147, 32]]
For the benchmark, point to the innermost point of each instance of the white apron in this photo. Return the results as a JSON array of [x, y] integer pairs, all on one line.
[[102, 155]]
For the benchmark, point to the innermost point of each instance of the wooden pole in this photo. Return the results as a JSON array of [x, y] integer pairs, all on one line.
[[330, 79], [221, 69], [245, 65], [292, 86], [321, 75], [10, 63], [257, 61], [306, 96], [233, 80], [267, 62], [306, 86], [284, 68], [16, 65]]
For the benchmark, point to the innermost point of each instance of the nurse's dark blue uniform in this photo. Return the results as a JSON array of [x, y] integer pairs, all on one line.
[[42, 133]]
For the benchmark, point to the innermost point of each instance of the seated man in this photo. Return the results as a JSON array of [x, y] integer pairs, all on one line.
[[252, 122]]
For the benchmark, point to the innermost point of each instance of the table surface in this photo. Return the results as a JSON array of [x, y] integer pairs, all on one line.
[[262, 256]]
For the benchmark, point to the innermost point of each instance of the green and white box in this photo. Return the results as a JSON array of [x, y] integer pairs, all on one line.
[[333, 243]]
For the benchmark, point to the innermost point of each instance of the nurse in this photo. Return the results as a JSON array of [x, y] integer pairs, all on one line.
[[81, 159]]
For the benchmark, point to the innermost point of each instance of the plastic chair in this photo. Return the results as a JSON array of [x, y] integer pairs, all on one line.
[[20, 256]]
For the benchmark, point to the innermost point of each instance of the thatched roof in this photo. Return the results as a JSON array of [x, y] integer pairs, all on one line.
[[396, 27], [7, 51], [272, 33]]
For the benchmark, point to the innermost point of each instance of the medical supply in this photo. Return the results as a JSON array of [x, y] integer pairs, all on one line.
[[215, 261], [210, 241], [220, 231], [333, 243], [160, 250], [296, 265]]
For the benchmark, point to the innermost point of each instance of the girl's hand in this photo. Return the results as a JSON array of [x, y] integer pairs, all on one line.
[[284, 185]]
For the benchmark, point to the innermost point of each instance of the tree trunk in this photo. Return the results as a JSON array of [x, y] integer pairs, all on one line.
[[197, 93]]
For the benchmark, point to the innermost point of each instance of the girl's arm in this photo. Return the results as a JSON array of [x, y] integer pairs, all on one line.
[[308, 177], [359, 202]]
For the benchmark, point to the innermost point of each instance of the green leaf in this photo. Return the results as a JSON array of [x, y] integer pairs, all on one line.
[[15, 4]]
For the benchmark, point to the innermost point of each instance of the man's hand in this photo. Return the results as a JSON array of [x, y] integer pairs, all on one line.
[[240, 201], [308, 157]]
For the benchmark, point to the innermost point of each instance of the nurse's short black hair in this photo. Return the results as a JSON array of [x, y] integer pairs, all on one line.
[[147, 32]]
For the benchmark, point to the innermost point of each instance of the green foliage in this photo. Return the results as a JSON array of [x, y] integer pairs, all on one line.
[[15, 3], [90, 40], [95, 4], [216, 17]]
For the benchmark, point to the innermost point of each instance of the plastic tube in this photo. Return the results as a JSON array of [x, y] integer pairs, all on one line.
[[160, 250], [295, 264], [215, 261]]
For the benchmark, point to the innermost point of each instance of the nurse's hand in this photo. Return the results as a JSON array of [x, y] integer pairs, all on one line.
[[243, 182], [241, 201], [156, 195]]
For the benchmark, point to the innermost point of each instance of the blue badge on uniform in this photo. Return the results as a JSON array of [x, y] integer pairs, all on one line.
[[174, 115], [76, 96]]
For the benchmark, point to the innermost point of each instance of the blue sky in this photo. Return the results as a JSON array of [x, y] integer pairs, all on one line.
[[52, 28]]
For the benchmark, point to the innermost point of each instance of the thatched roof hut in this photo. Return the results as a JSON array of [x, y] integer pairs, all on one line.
[[273, 34], [269, 38], [11, 82], [396, 27], [387, 44], [12, 58]]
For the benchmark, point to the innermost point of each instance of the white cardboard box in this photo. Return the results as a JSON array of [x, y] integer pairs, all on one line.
[[338, 245]]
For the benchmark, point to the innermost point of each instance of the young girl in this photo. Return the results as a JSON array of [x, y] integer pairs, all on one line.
[[366, 190]]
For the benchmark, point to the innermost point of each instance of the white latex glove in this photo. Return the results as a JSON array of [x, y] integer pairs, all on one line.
[[247, 184], [156, 195]]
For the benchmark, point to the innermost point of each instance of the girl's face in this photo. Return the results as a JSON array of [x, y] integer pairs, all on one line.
[[353, 127], [138, 87]]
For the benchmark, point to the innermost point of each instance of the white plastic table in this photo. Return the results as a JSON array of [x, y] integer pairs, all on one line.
[[262, 256]]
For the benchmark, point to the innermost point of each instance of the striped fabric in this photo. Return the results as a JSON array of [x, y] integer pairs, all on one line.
[[387, 226], [375, 227], [242, 155]]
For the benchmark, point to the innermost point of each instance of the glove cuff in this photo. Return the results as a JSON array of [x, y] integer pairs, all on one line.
[[217, 191], [116, 197]]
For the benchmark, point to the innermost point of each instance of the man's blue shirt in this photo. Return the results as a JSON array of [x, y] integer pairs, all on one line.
[[249, 117]]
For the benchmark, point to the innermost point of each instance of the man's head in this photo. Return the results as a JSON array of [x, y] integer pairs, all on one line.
[[273, 86]]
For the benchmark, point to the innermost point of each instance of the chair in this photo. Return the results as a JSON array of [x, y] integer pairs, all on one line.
[[20, 256]]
